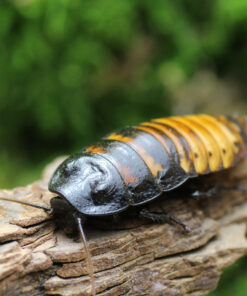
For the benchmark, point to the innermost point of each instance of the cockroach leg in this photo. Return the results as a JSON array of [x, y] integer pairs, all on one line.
[[162, 217]]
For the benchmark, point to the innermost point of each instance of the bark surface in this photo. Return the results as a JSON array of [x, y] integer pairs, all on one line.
[[137, 258]]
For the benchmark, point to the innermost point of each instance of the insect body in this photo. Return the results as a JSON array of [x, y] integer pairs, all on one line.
[[135, 165]]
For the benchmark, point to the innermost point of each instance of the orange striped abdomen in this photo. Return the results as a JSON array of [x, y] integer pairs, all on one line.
[[215, 142]]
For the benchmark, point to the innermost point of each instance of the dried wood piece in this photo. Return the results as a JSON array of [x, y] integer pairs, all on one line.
[[139, 258], [13, 259]]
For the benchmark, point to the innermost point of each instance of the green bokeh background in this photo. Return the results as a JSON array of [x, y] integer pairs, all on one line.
[[71, 71]]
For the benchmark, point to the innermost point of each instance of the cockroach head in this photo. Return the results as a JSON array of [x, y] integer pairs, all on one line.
[[88, 183]]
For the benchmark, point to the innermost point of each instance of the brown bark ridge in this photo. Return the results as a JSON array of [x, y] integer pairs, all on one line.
[[139, 259]]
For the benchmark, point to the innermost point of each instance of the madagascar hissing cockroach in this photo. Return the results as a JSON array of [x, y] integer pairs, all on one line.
[[134, 165]]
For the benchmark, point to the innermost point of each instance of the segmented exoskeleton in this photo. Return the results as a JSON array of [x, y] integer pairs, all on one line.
[[136, 164]]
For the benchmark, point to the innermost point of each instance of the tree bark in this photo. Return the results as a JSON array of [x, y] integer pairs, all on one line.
[[141, 258]]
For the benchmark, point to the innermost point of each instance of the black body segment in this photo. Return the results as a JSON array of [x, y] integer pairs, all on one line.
[[163, 139], [150, 150], [138, 178]]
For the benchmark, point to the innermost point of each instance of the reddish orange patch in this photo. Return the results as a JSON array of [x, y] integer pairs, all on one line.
[[125, 172], [93, 149], [130, 179]]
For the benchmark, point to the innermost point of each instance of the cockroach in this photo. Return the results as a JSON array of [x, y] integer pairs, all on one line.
[[135, 165]]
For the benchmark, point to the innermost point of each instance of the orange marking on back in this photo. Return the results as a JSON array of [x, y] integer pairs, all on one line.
[[155, 168], [130, 179], [93, 149], [119, 137]]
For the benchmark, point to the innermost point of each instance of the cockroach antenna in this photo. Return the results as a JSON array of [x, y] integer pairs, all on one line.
[[89, 258], [26, 203]]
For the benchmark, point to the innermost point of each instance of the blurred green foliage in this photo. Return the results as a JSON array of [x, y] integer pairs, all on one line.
[[71, 71], [233, 281]]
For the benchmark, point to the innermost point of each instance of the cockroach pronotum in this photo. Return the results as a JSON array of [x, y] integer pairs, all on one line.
[[134, 165]]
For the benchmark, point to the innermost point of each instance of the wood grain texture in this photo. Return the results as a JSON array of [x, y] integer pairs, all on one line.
[[138, 258]]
